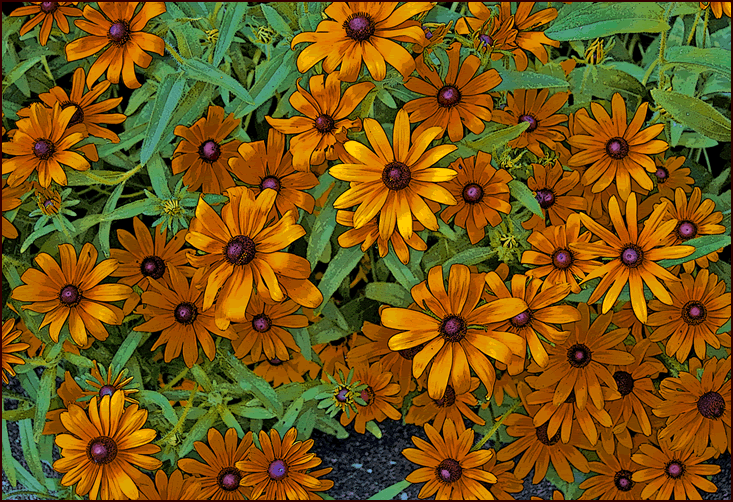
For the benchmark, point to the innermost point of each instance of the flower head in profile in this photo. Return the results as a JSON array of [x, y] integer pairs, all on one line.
[[452, 406], [320, 134], [107, 382], [8, 358], [671, 175], [380, 396], [119, 31], [367, 32], [53, 207], [392, 180], [552, 186], [278, 372], [47, 12]]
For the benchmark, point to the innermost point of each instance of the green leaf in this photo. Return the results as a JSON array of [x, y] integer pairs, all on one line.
[[201, 378], [29, 447], [703, 246], [269, 77], [339, 268], [595, 20], [725, 327], [287, 421], [95, 177], [305, 424], [26, 478], [35, 236], [511, 80], [471, 256], [106, 226], [252, 412], [325, 331], [694, 113], [276, 22], [249, 381], [331, 426], [323, 226], [166, 99], [159, 175], [43, 400], [608, 81], [303, 340], [570, 490], [331, 311], [523, 194], [128, 346], [392, 294], [140, 96], [492, 141], [233, 16], [132, 209], [8, 467], [204, 72], [197, 432], [372, 427], [392, 491], [162, 402], [229, 419], [715, 59], [400, 271], [19, 70]]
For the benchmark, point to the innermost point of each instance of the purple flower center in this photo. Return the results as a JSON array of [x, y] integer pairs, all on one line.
[[522, 319], [624, 381], [448, 399], [277, 470], [631, 256], [119, 32], [694, 313], [43, 149], [275, 361], [622, 479], [453, 328], [449, 470], [396, 176], [78, 116], [47, 203], [579, 355], [240, 250], [545, 197], [448, 96], [324, 123], [229, 478], [532, 122], [486, 40], [107, 390], [261, 323], [662, 174], [49, 7], [341, 395], [686, 230], [367, 395], [674, 469], [152, 266], [562, 259], [428, 33], [473, 193], [209, 151], [270, 182], [70, 295], [359, 26], [185, 313], [102, 450], [711, 405], [617, 148]]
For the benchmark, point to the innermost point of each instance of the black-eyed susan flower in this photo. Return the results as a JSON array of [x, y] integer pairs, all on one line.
[[281, 469], [11, 199], [452, 406], [365, 32], [506, 481], [380, 397], [72, 292], [107, 382], [119, 31], [460, 99], [481, 192], [101, 448], [718, 8], [70, 393], [671, 175], [176, 309], [613, 479], [48, 12], [165, 488], [218, 476], [552, 186], [342, 393], [8, 358], [490, 33], [278, 372], [320, 134], [392, 180]]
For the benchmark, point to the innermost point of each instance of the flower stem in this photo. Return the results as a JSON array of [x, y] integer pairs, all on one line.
[[694, 25], [705, 27], [674, 367], [663, 48], [496, 426]]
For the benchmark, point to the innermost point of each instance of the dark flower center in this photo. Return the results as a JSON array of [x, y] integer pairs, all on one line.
[[545, 197], [694, 313], [396, 176], [102, 450], [410, 353], [532, 122], [428, 33], [622, 480], [632, 256], [119, 32], [209, 151], [261, 323], [359, 26], [367, 395], [107, 390], [47, 203], [229, 478], [185, 313], [448, 96], [624, 381], [78, 116], [711, 405], [43, 149], [579, 355], [275, 361], [448, 399], [562, 258], [449, 471], [49, 7], [473, 193], [152, 266], [675, 469], [278, 470], [617, 148], [662, 174], [324, 124], [270, 182], [486, 40], [70, 296], [341, 395], [240, 250], [522, 319], [541, 433], [453, 328], [686, 230]]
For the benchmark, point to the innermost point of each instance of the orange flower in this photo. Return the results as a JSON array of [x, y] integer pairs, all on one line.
[[506, 482], [393, 179], [434, 35], [670, 175], [319, 136], [48, 12], [461, 98], [11, 200], [175, 488], [490, 34], [70, 393], [452, 406], [380, 396], [335, 351], [9, 335], [551, 186], [718, 8], [243, 251], [73, 292], [481, 191], [614, 480], [363, 31], [278, 372], [106, 383], [118, 30]]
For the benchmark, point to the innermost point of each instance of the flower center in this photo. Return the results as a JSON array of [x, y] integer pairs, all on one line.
[[579, 355], [694, 313], [278, 470], [359, 26], [49, 7], [617, 148], [396, 176], [70, 296], [229, 478], [473, 193], [410, 353], [119, 32], [624, 381], [102, 450], [545, 197], [209, 151], [270, 182], [675, 469], [448, 96], [152, 266], [185, 313], [686, 230], [623, 481], [448, 399], [522, 319], [43, 149], [486, 40], [453, 328], [532, 122], [541, 433], [367, 395], [341, 395], [632, 256], [275, 361], [428, 33], [449, 471], [78, 116], [107, 390], [711, 405], [324, 124], [261, 323], [562, 258], [240, 250], [662, 174]]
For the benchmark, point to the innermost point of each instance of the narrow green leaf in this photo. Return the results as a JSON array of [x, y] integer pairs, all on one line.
[[325, 331], [204, 72], [254, 383], [492, 141], [35, 236], [252, 412], [19, 70], [26, 478], [8, 467], [392, 491], [339, 268], [372, 427], [166, 100], [392, 294], [694, 113], [305, 424], [128, 346], [523, 194], [703, 246], [331, 311], [159, 174], [30, 449], [132, 209], [400, 271], [323, 226], [269, 77], [106, 226], [79, 361], [275, 20], [229, 419], [715, 59], [197, 432], [202, 378], [331, 426], [46, 387], [594, 20], [162, 402], [511, 80], [471, 256], [287, 421], [303, 340], [233, 16]]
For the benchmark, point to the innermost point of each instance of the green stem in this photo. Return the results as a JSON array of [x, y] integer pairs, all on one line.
[[42, 496], [694, 25], [496, 426], [663, 48], [174, 381], [705, 27], [674, 367], [164, 440]]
